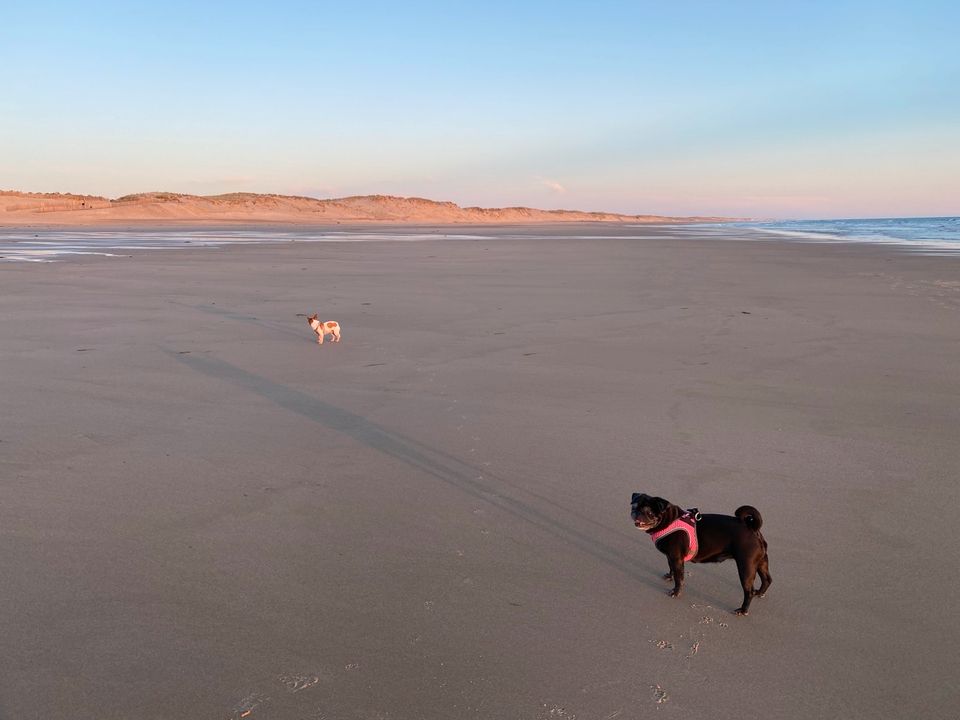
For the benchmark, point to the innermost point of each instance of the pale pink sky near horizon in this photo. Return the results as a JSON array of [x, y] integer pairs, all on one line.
[[886, 174], [880, 175]]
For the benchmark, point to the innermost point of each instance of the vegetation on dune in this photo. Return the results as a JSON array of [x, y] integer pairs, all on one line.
[[156, 196]]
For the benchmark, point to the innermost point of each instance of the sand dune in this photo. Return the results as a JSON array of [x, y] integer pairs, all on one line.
[[18, 208]]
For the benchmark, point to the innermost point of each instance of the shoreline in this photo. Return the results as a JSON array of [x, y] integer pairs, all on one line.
[[44, 241]]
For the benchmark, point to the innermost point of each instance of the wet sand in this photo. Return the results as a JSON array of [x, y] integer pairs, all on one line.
[[203, 514]]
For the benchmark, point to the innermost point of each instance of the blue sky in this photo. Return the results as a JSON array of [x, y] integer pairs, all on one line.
[[813, 109]]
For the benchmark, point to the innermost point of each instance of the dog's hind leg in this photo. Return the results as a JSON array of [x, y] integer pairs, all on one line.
[[748, 575], [763, 570]]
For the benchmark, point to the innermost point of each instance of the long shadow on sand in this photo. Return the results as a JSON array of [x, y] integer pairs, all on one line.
[[272, 325], [434, 463]]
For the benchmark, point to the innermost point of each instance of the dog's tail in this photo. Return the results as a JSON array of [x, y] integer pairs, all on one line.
[[749, 516]]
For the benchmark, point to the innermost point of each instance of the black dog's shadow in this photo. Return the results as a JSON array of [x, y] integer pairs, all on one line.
[[573, 528]]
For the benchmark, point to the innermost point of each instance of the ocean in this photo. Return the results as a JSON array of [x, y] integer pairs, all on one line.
[[930, 235], [939, 235]]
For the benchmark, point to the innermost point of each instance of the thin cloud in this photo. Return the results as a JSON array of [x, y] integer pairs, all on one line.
[[552, 185]]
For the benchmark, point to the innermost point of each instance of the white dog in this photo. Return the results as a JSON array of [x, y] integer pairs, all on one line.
[[330, 327]]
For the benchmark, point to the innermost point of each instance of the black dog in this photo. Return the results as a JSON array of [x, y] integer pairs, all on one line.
[[706, 538]]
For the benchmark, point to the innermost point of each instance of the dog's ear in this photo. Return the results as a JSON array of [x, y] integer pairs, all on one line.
[[659, 505], [636, 497]]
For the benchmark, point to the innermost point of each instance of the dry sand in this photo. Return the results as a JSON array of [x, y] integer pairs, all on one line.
[[18, 209], [203, 514]]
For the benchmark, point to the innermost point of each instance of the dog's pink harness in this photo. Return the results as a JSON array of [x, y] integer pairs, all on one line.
[[687, 522]]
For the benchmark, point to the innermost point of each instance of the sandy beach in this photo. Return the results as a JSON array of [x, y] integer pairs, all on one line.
[[204, 514]]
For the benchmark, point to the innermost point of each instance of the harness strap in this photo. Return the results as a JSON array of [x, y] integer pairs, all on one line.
[[687, 523]]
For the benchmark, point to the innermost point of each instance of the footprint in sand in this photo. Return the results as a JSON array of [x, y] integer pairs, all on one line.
[[659, 694], [247, 705], [296, 683], [555, 712], [317, 714]]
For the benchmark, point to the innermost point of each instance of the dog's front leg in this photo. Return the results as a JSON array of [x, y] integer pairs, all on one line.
[[676, 571]]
